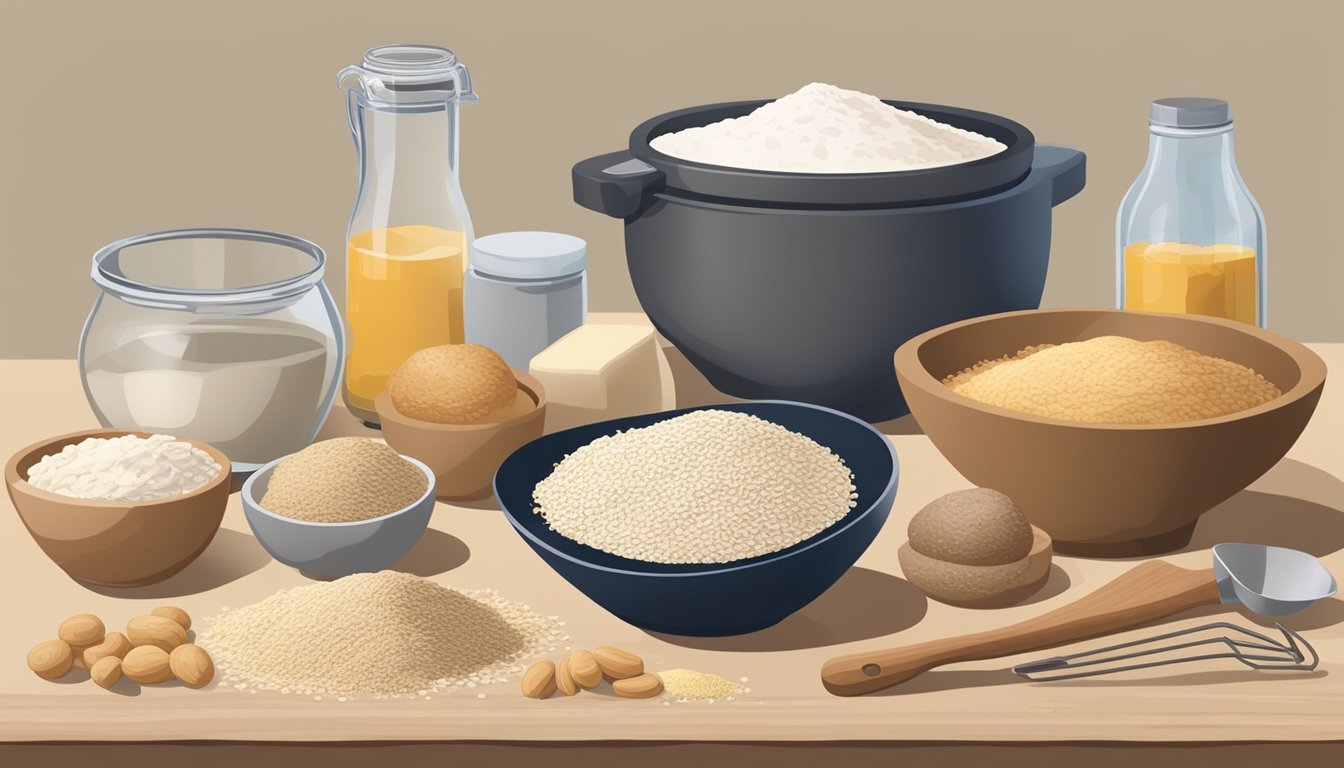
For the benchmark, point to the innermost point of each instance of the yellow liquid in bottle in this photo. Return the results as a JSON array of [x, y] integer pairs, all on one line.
[[403, 293], [1215, 280]]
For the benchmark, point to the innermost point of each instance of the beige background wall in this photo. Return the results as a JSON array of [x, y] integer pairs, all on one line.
[[121, 117]]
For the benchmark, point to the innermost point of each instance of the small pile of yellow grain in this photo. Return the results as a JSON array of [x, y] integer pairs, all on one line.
[[456, 384], [688, 684], [1115, 380], [343, 480]]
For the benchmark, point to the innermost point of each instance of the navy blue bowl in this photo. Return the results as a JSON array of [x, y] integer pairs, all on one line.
[[711, 600]]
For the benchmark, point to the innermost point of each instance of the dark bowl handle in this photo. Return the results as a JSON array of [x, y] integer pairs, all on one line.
[[1063, 168], [615, 183]]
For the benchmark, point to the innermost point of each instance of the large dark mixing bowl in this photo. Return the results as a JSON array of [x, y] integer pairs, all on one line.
[[800, 286], [709, 600]]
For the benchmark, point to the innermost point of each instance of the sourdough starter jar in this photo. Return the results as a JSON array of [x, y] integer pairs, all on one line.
[[226, 336]]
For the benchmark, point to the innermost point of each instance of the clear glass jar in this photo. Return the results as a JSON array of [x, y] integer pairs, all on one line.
[[226, 336], [1190, 238], [409, 231], [524, 291]]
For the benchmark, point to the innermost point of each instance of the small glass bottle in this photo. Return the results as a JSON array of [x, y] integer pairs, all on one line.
[[409, 230], [524, 291], [1190, 238]]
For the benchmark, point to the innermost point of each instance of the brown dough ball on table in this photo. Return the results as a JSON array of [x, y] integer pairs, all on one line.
[[453, 384], [975, 549]]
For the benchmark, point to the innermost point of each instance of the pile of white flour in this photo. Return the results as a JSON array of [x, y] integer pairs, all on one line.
[[125, 468], [824, 129]]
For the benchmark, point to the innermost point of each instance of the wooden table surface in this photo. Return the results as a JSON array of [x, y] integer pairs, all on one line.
[[1299, 503]]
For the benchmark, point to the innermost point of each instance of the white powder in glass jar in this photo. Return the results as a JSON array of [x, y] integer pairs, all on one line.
[[824, 129], [125, 468]]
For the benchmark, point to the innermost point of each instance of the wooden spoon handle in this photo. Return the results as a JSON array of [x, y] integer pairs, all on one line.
[[1146, 593]]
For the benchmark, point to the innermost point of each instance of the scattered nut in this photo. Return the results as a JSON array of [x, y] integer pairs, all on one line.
[[82, 629], [106, 671], [192, 665], [147, 664], [617, 664], [51, 659], [173, 612], [583, 667], [539, 680], [643, 686], [158, 631], [114, 644], [564, 680]]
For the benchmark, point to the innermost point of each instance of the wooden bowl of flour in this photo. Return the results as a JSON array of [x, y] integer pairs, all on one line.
[[117, 543]]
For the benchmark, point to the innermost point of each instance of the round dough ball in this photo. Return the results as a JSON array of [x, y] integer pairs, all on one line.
[[979, 526], [452, 384], [960, 584]]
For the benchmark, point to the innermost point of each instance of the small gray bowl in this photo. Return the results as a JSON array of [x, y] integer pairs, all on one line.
[[336, 549]]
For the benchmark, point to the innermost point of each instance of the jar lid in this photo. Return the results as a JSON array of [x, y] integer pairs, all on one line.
[[1189, 112], [529, 255]]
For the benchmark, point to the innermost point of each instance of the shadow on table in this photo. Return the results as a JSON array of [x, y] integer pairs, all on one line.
[[950, 680], [694, 390], [1322, 614], [1157, 679], [230, 556], [436, 552], [1311, 519], [1057, 582], [862, 605]]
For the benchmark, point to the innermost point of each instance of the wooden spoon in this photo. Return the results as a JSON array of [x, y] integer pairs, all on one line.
[[1146, 593]]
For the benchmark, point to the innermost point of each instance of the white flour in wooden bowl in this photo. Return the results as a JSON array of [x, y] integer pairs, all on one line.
[[824, 129]]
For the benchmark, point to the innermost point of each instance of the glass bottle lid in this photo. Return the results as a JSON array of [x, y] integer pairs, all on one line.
[[1189, 112], [394, 75]]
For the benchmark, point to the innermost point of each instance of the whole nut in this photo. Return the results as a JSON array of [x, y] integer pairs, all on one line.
[[617, 664], [114, 644], [583, 667], [51, 659], [539, 680], [106, 671], [564, 681], [146, 664], [82, 629], [157, 631], [642, 686], [173, 612], [192, 665]]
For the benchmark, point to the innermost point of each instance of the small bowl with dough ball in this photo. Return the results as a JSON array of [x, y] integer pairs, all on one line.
[[975, 549], [461, 410], [126, 541], [340, 506]]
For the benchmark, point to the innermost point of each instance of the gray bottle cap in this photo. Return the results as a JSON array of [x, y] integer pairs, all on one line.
[[1188, 112], [529, 255]]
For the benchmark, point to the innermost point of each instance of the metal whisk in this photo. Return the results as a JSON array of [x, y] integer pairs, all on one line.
[[1247, 646]]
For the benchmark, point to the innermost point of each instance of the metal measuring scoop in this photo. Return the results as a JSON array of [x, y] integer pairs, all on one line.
[[1272, 581]]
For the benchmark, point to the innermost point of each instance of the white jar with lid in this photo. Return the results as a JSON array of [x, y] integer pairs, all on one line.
[[524, 290]]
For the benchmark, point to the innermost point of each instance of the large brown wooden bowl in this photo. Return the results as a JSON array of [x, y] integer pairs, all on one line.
[[117, 543], [1108, 490]]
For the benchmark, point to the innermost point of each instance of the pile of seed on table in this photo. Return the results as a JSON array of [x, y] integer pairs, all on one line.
[[709, 486], [1115, 380], [383, 634], [691, 685]]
